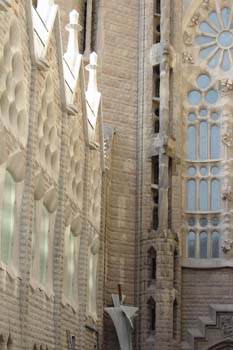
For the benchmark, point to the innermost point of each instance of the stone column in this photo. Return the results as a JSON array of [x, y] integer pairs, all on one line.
[[165, 243], [88, 29], [227, 168]]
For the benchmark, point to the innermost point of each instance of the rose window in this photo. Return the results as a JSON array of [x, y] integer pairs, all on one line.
[[215, 39]]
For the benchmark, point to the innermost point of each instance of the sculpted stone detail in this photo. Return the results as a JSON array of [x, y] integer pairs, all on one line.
[[226, 85], [226, 325], [206, 4], [227, 139], [227, 194], [227, 245], [188, 58], [195, 20], [187, 38]]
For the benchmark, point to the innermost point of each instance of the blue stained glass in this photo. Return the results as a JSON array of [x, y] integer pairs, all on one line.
[[215, 194], [215, 116], [203, 112], [191, 244], [215, 142], [215, 59], [194, 97], [205, 27], [215, 244], [202, 40], [191, 222], [192, 171], [226, 64], [215, 170], [203, 81], [203, 222], [207, 51], [203, 141], [203, 195], [191, 195], [192, 117], [203, 245], [226, 12], [203, 171], [215, 221], [211, 97], [214, 19], [191, 142], [225, 39]]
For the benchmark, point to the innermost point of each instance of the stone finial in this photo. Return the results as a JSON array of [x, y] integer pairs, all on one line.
[[43, 5], [92, 83], [73, 28]]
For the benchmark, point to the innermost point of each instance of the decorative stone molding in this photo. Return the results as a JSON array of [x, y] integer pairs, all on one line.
[[5, 5], [72, 61], [227, 245], [92, 93], [187, 58], [187, 38], [195, 20], [205, 4], [226, 85], [227, 139], [227, 194]]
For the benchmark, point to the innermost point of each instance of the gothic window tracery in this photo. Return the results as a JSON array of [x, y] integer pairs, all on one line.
[[209, 40]]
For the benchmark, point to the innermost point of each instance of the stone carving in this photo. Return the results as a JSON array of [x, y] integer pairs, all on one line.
[[227, 245], [187, 38], [206, 4], [195, 20], [226, 85], [226, 325], [227, 139], [187, 58], [227, 194]]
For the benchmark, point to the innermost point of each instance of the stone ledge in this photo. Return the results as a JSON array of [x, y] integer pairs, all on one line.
[[206, 263]]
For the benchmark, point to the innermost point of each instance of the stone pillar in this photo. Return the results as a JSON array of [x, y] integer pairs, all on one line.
[[88, 29], [227, 168]]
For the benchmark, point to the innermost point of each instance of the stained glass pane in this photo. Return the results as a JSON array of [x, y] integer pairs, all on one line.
[[194, 97], [215, 142], [226, 64], [203, 141], [226, 12], [211, 97], [214, 20], [203, 195], [191, 195], [203, 245], [203, 171], [215, 244], [215, 194], [8, 218], [203, 112], [191, 244], [203, 81], [192, 117], [207, 51], [192, 142], [205, 27], [214, 61], [191, 171], [202, 40], [44, 244]]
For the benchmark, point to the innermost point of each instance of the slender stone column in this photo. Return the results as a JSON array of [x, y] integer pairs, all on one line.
[[88, 29]]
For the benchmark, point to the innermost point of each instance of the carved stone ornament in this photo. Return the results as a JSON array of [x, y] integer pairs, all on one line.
[[226, 85], [227, 245], [195, 20], [226, 325], [206, 4], [188, 58], [227, 139], [187, 38], [227, 194]]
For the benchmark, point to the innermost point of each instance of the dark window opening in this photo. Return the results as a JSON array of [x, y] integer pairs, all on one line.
[[156, 74], [155, 170], [175, 319], [157, 6], [152, 314]]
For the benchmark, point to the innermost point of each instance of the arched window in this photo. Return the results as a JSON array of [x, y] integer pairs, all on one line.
[[203, 142], [92, 283], [215, 244], [215, 142], [192, 195], [44, 244], [151, 314], [203, 245], [71, 265], [191, 244], [203, 194], [215, 195], [191, 142], [8, 218]]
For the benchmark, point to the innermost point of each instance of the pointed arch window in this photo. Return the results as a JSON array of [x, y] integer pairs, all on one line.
[[8, 218]]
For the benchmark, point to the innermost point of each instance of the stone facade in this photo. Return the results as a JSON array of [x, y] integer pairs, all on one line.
[[115, 169]]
